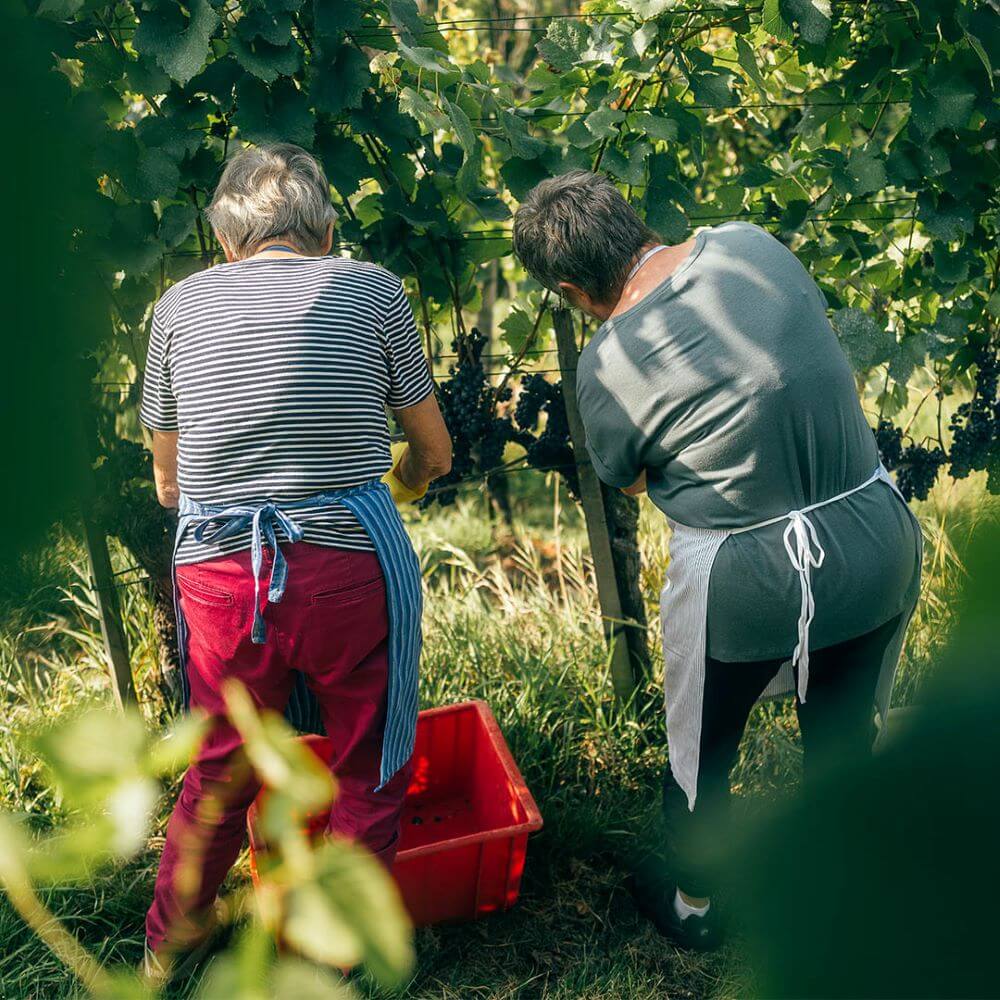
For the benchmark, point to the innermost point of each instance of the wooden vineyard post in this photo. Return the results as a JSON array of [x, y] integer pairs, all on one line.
[[102, 578], [595, 515], [109, 612]]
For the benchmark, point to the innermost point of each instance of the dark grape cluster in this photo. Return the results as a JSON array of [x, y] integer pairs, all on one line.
[[550, 448], [889, 440], [975, 425], [917, 470], [916, 466], [480, 430]]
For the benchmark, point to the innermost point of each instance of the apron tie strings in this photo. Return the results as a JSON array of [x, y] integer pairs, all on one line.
[[805, 554], [230, 521]]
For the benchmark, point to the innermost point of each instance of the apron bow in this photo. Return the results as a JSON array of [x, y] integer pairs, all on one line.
[[230, 521]]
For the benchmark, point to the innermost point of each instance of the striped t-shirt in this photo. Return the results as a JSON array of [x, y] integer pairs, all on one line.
[[276, 372]]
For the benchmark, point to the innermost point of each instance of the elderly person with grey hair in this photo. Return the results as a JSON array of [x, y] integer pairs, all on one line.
[[266, 388], [716, 384]]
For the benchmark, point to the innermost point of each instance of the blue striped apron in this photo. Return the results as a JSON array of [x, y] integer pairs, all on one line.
[[373, 506]]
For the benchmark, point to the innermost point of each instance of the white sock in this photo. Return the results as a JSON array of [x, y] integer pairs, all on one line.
[[685, 910]]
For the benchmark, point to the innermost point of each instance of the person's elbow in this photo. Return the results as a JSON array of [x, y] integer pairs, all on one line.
[[438, 462], [168, 494]]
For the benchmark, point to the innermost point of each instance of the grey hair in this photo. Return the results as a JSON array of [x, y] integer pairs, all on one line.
[[578, 228], [269, 192]]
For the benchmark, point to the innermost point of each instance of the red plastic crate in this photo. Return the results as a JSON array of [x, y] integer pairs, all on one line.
[[466, 819]]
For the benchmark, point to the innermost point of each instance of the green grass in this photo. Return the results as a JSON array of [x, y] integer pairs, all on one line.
[[511, 618]]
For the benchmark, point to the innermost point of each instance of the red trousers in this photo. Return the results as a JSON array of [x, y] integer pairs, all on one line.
[[333, 626]]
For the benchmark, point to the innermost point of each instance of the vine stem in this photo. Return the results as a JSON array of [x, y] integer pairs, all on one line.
[[519, 357]]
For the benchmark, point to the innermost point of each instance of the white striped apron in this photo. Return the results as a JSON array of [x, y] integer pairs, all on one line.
[[684, 616]]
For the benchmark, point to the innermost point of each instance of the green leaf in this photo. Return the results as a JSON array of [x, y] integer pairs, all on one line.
[[655, 126], [521, 142], [774, 23], [340, 82], [405, 16], [630, 169], [648, 10], [61, 10], [946, 104], [517, 328], [713, 88], [865, 343], [950, 267], [427, 115], [265, 60], [276, 114], [179, 44], [564, 43], [463, 127], [299, 784], [350, 912], [863, 173], [603, 123], [344, 161], [948, 219], [662, 214], [429, 60], [177, 223], [332, 20], [521, 176], [813, 18], [748, 63]]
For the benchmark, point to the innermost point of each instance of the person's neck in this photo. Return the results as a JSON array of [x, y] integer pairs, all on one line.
[[650, 276], [278, 248]]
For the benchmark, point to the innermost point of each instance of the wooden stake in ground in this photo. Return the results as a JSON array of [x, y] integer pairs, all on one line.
[[592, 499], [109, 613]]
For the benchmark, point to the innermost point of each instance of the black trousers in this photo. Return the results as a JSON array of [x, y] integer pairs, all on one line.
[[836, 720]]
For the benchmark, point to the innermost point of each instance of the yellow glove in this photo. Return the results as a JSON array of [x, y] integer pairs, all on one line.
[[401, 493]]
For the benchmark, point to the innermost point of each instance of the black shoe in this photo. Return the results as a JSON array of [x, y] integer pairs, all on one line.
[[655, 901]]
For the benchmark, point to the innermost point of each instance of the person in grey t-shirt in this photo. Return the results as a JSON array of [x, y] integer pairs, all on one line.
[[716, 384]]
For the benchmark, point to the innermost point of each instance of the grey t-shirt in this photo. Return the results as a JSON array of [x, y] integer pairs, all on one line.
[[728, 386]]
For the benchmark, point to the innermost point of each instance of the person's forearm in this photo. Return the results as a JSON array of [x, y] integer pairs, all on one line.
[[165, 468], [417, 470]]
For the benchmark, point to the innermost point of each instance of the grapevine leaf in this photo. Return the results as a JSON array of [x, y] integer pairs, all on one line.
[[179, 45], [405, 16], [662, 213], [564, 44], [655, 126], [813, 18], [340, 82], [463, 127], [345, 163], [993, 305], [748, 63], [648, 10], [713, 88], [333, 20], [631, 168], [523, 145], [427, 115], [946, 103], [948, 219], [264, 59], [603, 122], [774, 23], [276, 114], [517, 329], [521, 176], [59, 9], [177, 223], [428, 59], [865, 343], [863, 173]]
